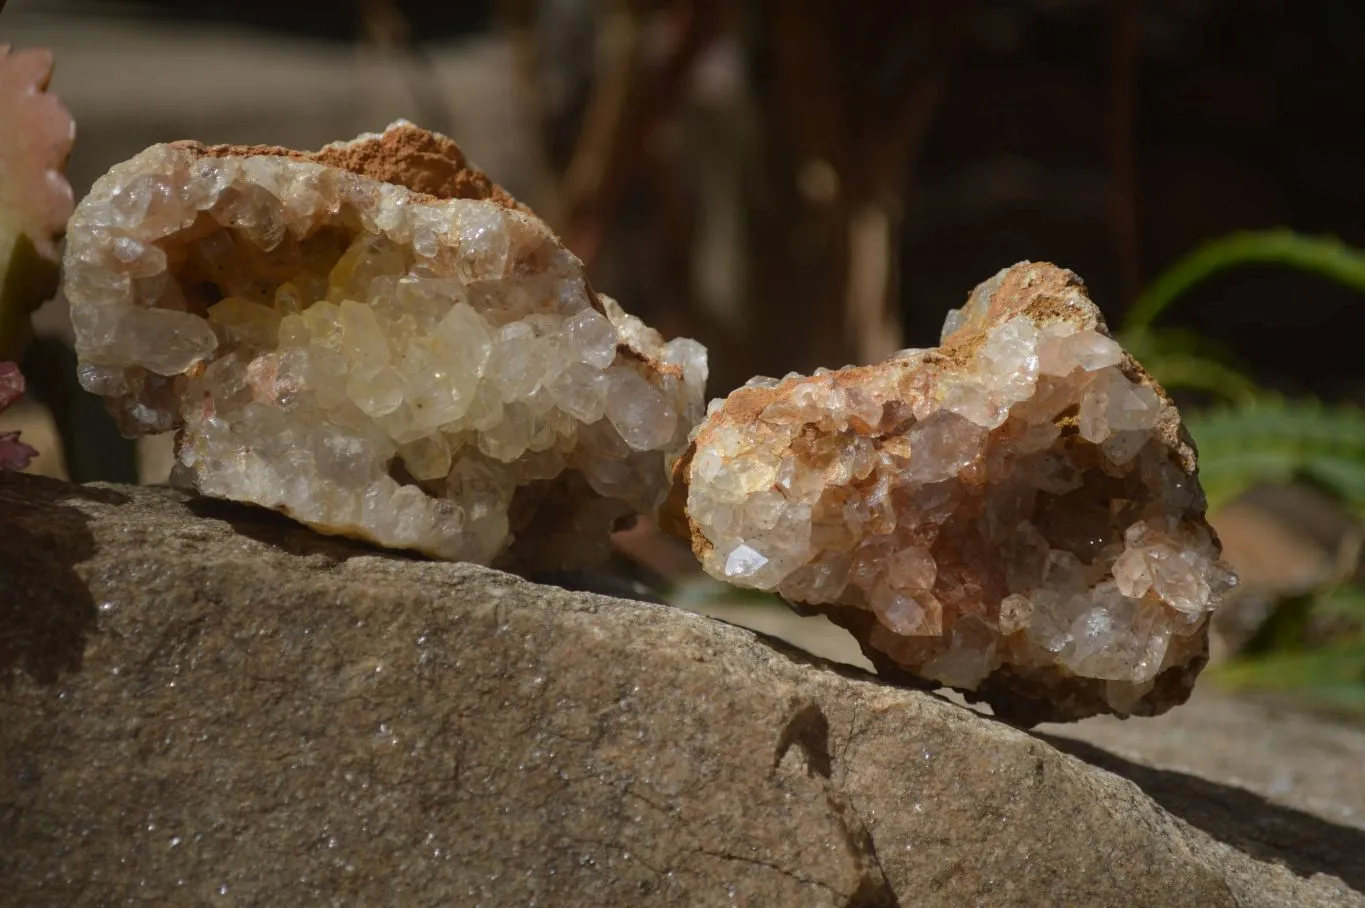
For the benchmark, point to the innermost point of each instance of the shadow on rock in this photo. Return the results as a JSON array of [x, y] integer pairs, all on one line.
[[602, 583], [288, 535], [1302, 842], [46, 610], [284, 533]]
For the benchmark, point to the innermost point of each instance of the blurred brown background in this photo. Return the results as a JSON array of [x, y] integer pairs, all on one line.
[[810, 183], [806, 182], [795, 183]]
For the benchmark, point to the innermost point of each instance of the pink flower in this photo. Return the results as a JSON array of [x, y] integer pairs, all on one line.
[[14, 454]]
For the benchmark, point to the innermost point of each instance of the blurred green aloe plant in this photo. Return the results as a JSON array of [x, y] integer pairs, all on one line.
[[1314, 640]]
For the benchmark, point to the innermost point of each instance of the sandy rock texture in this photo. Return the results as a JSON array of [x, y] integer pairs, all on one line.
[[205, 703]]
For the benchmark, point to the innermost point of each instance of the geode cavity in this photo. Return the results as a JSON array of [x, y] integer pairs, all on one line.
[[378, 341], [1015, 514]]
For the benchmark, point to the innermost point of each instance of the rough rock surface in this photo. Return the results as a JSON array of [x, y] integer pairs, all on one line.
[[1279, 748], [1015, 513], [206, 704], [378, 341]]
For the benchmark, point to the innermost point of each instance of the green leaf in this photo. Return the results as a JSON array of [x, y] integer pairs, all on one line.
[[1184, 360], [1189, 373], [1270, 440], [1337, 674], [1151, 342], [1325, 256], [1344, 603], [1284, 629]]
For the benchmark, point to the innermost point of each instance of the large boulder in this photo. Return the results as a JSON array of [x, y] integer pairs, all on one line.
[[204, 703]]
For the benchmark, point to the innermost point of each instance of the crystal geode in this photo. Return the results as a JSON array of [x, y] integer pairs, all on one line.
[[1015, 514], [377, 341]]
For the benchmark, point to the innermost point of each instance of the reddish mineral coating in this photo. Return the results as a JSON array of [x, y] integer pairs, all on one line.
[[1015, 514], [404, 155]]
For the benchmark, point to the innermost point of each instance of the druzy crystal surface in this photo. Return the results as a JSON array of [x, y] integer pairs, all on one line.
[[1015, 513], [377, 341]]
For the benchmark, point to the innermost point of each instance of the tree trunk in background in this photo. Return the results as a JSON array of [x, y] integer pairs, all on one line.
[[843, 93]]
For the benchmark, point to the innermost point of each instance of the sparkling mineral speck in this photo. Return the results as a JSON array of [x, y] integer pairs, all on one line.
[[377, 341], [1015, 514]]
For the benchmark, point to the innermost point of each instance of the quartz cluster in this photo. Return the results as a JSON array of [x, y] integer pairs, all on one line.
[[377, 341], [1015, 513]]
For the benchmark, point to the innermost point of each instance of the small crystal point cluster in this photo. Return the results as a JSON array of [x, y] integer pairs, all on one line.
[[1015, 513], [378, 341]]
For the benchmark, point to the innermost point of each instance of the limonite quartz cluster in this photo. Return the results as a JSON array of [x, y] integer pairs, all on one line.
[[1015, 514], [377, 341]]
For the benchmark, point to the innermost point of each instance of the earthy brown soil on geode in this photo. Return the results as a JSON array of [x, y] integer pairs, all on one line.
[[405, 155], [907, 501], [420, 363]]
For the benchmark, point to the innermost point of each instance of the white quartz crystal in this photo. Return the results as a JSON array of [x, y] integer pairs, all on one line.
[[1015, 513], [427, 373]]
